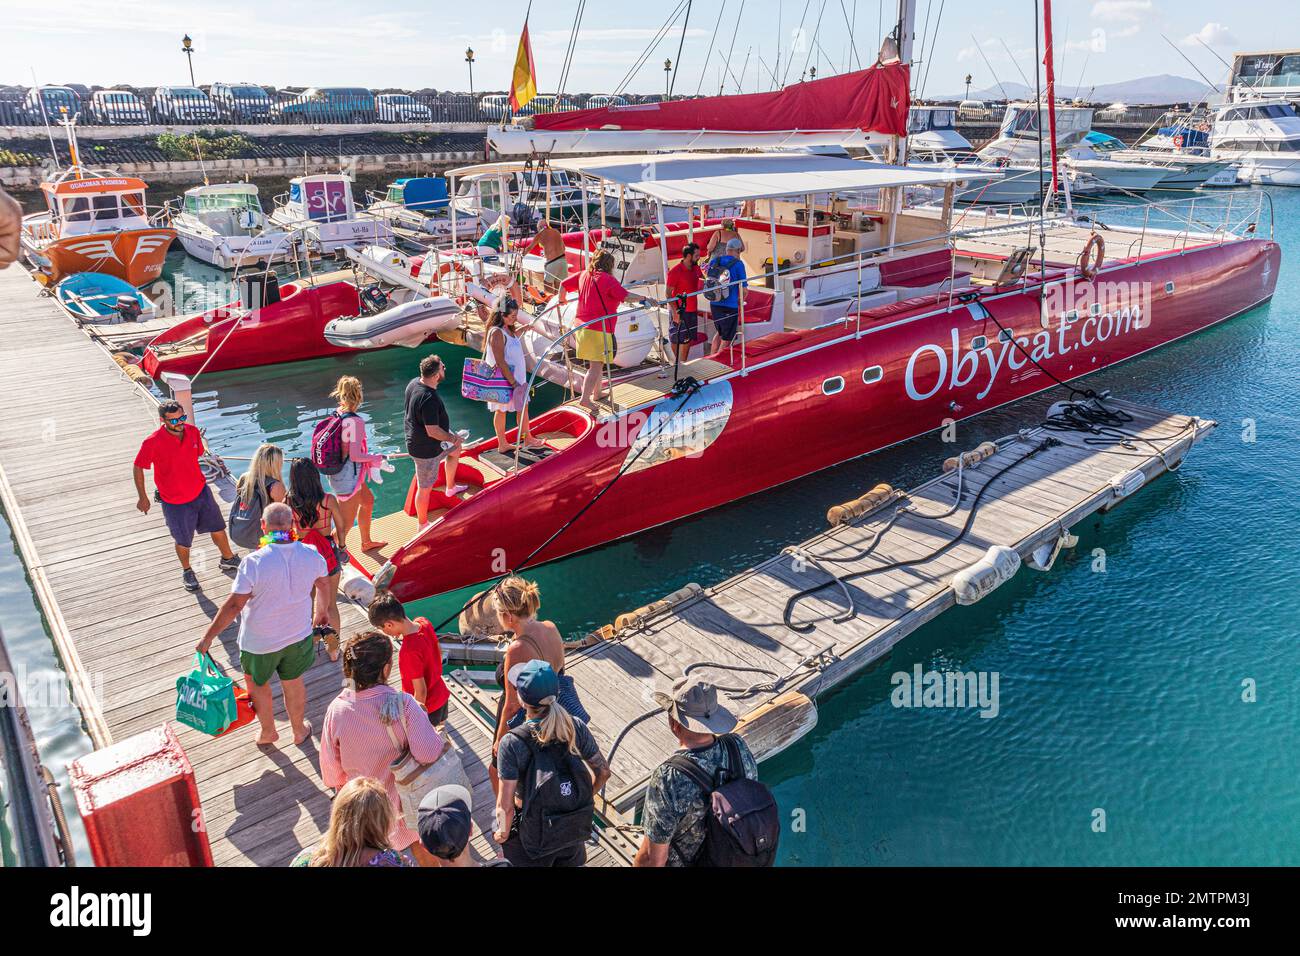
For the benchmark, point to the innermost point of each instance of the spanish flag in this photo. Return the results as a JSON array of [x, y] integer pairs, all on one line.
[[523, 86]]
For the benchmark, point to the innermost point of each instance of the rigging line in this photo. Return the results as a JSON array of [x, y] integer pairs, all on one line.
[[769, 70], [573, 44], [1042, 207], [672, 83], [853, 51], [705, 68], [730, 49], [1013, 59], [935, 39], [651, 47], [1190, 63], [992, 72], [780, 11], [798, 32], [924, 32]]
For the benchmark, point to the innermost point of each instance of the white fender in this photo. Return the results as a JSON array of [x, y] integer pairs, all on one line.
[[1127, 482], [980, 579]]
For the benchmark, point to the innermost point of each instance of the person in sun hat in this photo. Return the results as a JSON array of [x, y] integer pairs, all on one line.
[[549, 769], [674, 817]]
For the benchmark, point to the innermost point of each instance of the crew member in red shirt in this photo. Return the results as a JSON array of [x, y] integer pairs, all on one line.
[[419, 661], [189, 508], [684, 280]]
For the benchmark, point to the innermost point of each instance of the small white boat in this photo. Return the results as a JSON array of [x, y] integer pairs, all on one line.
[[409, 324], [223, 224], [1262, 137], [323, 208]]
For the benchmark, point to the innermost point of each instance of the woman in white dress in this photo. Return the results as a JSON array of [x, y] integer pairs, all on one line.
[[505, 351]]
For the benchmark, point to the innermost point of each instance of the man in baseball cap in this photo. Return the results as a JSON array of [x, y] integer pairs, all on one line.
[[445, 824]]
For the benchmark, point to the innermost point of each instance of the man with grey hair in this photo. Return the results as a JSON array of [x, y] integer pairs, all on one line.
[[272, 597], [727, 272]]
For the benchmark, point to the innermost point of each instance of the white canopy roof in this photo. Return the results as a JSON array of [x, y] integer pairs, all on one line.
[[682, 179]]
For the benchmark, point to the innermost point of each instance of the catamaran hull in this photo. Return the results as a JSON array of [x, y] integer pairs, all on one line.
[[836, 394]]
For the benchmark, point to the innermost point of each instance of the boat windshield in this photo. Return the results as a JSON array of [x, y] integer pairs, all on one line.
[[215, 202]]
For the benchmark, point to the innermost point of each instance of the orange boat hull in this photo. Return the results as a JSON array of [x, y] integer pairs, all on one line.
[[135, 255]]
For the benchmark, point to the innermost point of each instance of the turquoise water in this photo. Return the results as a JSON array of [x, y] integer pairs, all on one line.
[[1120, 691]]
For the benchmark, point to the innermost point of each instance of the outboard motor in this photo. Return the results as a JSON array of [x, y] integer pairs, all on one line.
[[128, 308], [373, 299], [522, 218]]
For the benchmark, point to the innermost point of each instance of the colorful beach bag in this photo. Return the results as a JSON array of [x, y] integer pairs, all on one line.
[[481, 382], [205, 698]]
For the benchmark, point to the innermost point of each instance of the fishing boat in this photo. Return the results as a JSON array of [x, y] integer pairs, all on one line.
[[223, 224], [322, 209], [94, 220], [875, 326], [98, 297], [1262, 137]]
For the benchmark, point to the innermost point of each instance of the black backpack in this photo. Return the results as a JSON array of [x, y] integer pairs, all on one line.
[[715, 285], [742, 824], [559, 804]]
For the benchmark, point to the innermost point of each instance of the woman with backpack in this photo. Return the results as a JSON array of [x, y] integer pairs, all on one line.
[[316, 517], [356, 500], [549, 769], [369, 725], [262, 484]]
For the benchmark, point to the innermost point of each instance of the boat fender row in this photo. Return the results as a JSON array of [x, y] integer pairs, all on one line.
[[132, 371], [632, 618], [980, 579], [1127, 482], [972, 458], [849, 510]]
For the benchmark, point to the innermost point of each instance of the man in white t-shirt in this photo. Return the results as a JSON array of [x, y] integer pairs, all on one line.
[[272, 597]]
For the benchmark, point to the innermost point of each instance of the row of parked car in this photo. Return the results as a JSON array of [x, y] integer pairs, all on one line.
[[245, 103]]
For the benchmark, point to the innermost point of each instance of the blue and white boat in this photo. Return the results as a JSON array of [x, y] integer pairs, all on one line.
[[419, 209], [97, 297]]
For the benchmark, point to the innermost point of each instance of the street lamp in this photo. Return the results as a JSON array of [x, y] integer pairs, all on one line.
[[187, 47], [668, 69], [967, 86], [469, 58], [812, 73]]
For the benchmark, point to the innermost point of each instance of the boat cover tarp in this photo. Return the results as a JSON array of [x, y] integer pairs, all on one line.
[[872, 100]]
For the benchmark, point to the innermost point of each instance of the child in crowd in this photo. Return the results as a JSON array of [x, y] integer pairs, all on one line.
[[419, 661]]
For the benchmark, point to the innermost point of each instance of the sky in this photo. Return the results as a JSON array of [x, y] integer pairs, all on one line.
[[738, 44]]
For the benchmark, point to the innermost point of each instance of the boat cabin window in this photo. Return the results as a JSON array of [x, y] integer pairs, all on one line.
[[979, 342], [833, 386], [77, 209], [214, 202], [105, 208], [873, 374]]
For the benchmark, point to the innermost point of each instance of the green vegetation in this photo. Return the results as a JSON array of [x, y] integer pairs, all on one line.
[[206, 144], [9, 157]]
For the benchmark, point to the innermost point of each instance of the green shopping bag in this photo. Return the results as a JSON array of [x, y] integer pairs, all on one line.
[[205, 698]]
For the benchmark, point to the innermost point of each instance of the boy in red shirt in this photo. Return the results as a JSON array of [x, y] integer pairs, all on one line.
[[419, 661]]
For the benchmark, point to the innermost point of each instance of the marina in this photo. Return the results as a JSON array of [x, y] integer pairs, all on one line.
[[948, 472]]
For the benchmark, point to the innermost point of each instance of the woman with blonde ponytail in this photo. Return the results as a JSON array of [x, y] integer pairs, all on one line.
[[360, 818], [548, 733]]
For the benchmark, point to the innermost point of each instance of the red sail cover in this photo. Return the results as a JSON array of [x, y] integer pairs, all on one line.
[[871, 100]]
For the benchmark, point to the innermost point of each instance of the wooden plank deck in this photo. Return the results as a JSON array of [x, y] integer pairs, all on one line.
[[740, 623], [109, 587]]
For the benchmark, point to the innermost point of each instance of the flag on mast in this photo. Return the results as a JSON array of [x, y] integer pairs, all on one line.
[[1051, 86], [523, 86]]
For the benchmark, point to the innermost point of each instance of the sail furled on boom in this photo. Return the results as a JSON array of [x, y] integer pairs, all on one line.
[[871, 100]]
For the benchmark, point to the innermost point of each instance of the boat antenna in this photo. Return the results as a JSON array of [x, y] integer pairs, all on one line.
[[992, 72], [198, 148], [40, 98], [677, 64], [1213, 85]]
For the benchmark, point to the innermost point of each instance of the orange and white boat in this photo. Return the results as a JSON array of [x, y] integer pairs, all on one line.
[[94, 221]]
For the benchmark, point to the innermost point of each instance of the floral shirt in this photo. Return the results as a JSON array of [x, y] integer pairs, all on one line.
[[382, 858]]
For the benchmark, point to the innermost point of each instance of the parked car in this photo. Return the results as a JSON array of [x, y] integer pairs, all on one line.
[[328, 104], [401, 108], [54, 99], [118, 108], [182, 104], [602, 100], [240, 102], [547, 103], [494, 106]]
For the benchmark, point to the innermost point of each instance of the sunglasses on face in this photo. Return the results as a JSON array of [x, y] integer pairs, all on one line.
[[176, 421]]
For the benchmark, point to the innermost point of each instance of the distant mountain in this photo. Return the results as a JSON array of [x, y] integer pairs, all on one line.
[[1156, 90]]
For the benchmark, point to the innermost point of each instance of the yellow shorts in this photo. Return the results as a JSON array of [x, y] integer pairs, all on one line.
[[595, 346]]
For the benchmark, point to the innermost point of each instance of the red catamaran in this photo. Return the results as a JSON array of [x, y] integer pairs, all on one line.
[[866, 321]]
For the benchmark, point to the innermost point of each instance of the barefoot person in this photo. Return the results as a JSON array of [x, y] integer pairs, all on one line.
[[428, 427], [173, 452], [272, 597], [356, 499], [599, 296]]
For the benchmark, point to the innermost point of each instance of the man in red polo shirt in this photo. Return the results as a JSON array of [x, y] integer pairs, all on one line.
[[684, 281], [188, 505]]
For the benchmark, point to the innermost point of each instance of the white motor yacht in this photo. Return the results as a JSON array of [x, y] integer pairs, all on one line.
[[223, 224], [1262, 138]]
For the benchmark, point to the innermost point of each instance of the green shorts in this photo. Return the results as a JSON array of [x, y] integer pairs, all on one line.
[[289, 662]]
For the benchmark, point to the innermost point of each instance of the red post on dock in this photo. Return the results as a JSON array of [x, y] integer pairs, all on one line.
[[140, 804]]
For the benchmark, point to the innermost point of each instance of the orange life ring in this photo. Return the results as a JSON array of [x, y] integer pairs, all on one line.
[[1091, 258], [1178, 140]]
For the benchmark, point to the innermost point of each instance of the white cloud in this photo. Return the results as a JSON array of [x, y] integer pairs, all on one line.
[[1121, 10], [1212, 34]]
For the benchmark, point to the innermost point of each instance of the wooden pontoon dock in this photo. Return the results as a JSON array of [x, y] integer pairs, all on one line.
[[106, 579]]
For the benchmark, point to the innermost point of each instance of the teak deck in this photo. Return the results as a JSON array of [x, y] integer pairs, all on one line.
[[108, 584]]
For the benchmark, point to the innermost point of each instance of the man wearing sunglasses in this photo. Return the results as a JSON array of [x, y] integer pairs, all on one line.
[[189, 508]]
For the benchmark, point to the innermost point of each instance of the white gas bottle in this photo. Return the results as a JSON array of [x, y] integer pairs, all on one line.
[[635, 332]]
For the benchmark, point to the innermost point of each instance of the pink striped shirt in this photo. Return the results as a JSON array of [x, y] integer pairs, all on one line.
[[354, 743]]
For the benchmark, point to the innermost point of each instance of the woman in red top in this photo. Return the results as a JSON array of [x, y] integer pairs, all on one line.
[[316, 516], [599, 296]]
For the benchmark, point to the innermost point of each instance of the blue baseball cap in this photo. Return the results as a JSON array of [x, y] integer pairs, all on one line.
[[536, 682]]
